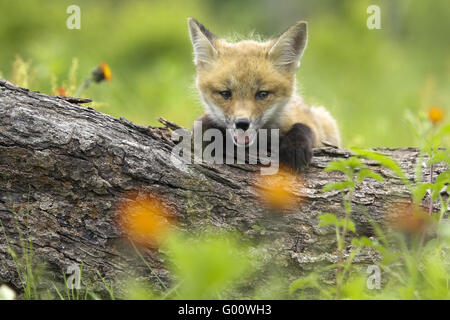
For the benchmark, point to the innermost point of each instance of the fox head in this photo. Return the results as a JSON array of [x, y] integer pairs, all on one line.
[[245, 85]]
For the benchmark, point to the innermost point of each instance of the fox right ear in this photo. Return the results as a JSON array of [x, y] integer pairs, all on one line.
[[288, 48], [203, 42]]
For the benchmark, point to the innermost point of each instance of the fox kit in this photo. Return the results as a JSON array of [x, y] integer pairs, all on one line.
[[251, 85]]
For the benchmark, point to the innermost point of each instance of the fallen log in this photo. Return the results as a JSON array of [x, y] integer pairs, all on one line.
[[64, 166]]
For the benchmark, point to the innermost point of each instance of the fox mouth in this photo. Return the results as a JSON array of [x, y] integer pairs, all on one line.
[[243, 139]]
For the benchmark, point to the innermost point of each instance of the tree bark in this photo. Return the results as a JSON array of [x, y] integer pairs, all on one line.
[[63, 167]]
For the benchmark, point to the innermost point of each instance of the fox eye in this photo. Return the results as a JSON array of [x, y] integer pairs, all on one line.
[[226, 94], [261, 95]]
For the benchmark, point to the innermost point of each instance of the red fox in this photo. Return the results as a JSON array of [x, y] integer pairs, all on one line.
[[252, 85]]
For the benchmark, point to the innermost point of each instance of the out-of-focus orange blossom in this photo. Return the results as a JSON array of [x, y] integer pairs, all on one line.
[[106, 71], [62, 91], [102, 72], [278, 191], [435, 114], [406, 217], [145, 220]]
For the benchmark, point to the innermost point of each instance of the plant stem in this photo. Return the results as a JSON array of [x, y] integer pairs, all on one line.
[[430, 205], [341, 243], [83, 87]]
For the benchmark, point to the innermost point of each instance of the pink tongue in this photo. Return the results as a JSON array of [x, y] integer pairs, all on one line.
[[241, 138]]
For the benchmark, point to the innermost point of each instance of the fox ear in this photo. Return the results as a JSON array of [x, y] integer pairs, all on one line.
[[203, 42], [288, 48]]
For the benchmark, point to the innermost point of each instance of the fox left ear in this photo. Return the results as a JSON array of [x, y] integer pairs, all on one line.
[[203, 42], [288, 48]]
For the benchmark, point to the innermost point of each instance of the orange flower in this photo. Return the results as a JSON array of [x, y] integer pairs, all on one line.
[[406, 217], [106, 71], [145, 220], [62, 91], [435, 114], [102, 72], [278, 191]]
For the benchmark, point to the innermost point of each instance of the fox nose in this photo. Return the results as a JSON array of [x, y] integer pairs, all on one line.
[[242, 123]]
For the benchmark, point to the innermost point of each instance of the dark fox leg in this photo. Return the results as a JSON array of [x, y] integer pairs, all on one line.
[[296, 147]]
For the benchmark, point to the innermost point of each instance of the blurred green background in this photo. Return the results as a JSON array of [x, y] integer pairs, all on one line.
[[366, 78]]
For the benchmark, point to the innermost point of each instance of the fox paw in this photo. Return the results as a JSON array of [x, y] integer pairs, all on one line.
[[296, 147]]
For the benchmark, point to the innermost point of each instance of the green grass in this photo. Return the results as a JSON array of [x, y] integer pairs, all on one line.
[[367, 78], [22, 254]]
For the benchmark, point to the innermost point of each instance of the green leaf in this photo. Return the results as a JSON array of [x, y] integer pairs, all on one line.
[[354, 163], [338, 165], [344, 165], [440, 156], [350, 225], [356, 242], [420, 190], [309, 281], [367, 173], [436, 140], [328, 219], [385, 161], [362, 242], [342, 185], [441, 180]]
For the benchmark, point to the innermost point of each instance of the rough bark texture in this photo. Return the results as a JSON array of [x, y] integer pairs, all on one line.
[[63, 167]]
